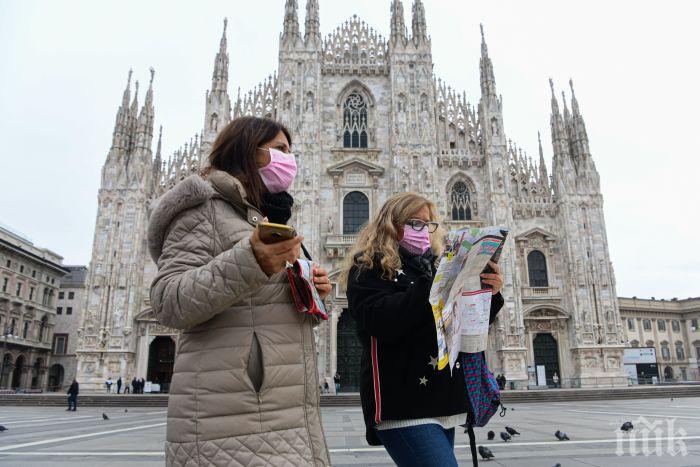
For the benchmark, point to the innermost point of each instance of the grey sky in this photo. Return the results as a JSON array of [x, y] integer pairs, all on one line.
[[635, 65]]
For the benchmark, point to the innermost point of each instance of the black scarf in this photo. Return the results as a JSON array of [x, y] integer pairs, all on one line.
[[277, 207], [424, 263]]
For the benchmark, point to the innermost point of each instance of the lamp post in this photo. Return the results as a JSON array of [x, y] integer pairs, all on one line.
[[6, 334]]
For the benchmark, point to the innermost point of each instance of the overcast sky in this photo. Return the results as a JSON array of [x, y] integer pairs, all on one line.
[[635, 66]]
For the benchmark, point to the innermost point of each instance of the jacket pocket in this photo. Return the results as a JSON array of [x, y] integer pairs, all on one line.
[[255, 368]]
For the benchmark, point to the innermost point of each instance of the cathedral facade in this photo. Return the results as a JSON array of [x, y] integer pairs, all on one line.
[[369, 119]]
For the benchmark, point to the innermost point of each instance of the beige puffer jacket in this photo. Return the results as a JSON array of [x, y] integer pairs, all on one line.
[[239, 332]]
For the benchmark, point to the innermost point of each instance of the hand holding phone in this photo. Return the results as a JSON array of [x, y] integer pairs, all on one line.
[[275, 233], [272, 256]]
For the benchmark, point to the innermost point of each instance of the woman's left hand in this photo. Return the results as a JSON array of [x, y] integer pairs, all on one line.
[[322, 282], [495, 280]]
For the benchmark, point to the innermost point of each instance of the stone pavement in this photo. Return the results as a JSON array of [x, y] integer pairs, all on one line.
[[40, 436]]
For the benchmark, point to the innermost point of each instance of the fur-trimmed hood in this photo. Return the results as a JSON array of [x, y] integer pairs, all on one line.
[[190, 192]]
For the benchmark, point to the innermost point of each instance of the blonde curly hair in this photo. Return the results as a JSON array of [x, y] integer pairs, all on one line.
[[380, 236]]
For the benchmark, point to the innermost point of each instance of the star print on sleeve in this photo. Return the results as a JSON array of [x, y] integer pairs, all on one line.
[[400, 272], [433, 362], [423, 381]]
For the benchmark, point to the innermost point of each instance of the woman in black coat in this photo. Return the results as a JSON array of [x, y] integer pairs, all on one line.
[[409, 406]]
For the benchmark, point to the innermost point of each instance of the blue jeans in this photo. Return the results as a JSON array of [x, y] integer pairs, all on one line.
[[422, 445]]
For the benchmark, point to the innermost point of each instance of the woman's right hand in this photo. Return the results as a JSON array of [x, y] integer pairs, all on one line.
[[273, 257]]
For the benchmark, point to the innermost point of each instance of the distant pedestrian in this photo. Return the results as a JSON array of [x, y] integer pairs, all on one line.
[[142, 384], [119, 385], [336, 379], [73, 391], [499, 381], [503, 379], [127, 386], [326, 388], [109, 383], [135, 385], [555, 380]]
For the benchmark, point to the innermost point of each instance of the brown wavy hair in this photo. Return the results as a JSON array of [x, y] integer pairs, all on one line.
[[234, 150], [380, 236]]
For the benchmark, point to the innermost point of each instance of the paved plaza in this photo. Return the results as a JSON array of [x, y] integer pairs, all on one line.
[[39, 436]]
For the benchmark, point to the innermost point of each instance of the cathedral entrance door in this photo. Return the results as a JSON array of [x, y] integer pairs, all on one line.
[[55, 377], [546, 353], [161, 356], [17, 373], [349, 353]]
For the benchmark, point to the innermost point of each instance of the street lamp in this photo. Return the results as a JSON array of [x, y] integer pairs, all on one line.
[[6, 334]]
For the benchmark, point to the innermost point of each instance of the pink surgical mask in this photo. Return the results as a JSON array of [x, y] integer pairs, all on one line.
[[279, 174], [415, 241]]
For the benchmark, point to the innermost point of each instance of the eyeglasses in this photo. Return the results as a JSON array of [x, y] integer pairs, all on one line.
[[417, 224]]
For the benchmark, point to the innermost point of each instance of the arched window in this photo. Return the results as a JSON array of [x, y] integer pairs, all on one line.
[[649, 344], [680, 353], [676, 325], [355, 212], [537, 269], [634, 343], [665, 352], [662, 325], [460, 202], [355, 121], [647, 325]]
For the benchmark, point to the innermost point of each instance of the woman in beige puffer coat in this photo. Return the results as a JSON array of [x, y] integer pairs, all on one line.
[[245, 384]]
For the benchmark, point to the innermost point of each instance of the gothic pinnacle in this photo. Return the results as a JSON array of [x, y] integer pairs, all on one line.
[[222, 43], [574, 102], [418, 22], [488, 80], [555, 105], [398, 28], [311, 25], [566, 108], [291, 21]]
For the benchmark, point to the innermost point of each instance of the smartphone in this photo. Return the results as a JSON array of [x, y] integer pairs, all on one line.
[[273, 233]]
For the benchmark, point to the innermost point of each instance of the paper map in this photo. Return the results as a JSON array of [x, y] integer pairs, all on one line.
[[461, 306]]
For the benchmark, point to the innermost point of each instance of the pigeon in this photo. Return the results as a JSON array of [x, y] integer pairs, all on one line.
[[490, 435], [557, 465], [627, 426], [505, 436], [485, 452], [2, 428], [561, 436], [126, 410], [105, 417], [512, 431]]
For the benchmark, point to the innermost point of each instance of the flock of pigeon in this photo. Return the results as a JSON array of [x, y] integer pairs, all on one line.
[[510, 432], [485, 452], [507, 435]]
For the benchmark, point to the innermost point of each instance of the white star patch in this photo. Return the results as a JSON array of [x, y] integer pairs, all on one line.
[[423, 381], [400, 272], [433, 362]]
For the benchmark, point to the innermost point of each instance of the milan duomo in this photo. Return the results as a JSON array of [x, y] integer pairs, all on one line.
[[369, 118]]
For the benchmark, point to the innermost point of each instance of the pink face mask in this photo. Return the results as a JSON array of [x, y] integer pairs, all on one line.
[[279, 174], [415, 241]]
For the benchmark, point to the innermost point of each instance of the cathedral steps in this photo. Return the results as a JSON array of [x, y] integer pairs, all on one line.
[[353, 399]]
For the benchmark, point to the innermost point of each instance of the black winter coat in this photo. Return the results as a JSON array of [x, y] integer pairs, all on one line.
[[399, 379], [74, 389]]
